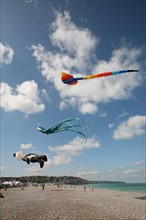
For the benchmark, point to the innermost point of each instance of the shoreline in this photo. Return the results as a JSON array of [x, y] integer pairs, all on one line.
[[71, 203], [108, 187]]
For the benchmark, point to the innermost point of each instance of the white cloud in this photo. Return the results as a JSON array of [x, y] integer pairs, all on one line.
[[6, 54], [35, 2], [35, 170], [68, 37], [86, 174], [28, 1], [128, 175], [75, 53], [133, 172], [134, 126], [30, 90], [24, 98], [64, 153], [75, 147], [56, 160], [111, 125], [90, 108], [2, 168], [26, 146], [138, 163]]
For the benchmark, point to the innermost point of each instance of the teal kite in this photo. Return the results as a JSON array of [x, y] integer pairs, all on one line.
[[70, 124]]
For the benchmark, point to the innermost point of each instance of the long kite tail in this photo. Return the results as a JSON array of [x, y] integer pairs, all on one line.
[[58, 127], [74, 124], [70, 80], [67, 124], [104, 74], [70, 124]]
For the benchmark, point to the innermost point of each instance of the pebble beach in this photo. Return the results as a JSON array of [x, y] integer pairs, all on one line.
[[71, 203]]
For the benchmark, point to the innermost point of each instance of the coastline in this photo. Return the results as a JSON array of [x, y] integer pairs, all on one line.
[[71, 203], [126, 187]]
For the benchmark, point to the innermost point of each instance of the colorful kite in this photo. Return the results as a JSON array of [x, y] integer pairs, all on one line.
[[70, 80], [71, 124], [33, 158]]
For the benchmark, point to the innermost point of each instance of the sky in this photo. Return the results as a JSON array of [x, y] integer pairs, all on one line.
[[39, 40]]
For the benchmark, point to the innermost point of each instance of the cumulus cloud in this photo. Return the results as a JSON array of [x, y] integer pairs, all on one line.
[[75, 147], [88, 174], [28, 1], [35, 170], [35, 2], [56, 160], [75, 53], [111, 125], [133, 172], [63, 154], [2, 168], [139, 163], [126, 174], [24, 98], [26, 146], [134, 126], [80, 43], [6, 53], [30, 90], [88, 107]]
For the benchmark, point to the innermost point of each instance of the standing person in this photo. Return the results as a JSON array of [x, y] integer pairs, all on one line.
[[43, 187]]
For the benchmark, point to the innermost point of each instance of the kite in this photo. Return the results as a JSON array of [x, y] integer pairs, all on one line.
[[71, 124], [70, 80], [33, 158]]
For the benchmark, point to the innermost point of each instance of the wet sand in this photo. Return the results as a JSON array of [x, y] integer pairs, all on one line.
[[71, 203]]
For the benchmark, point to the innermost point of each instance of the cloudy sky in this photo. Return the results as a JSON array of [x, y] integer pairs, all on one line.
[[39, 40]]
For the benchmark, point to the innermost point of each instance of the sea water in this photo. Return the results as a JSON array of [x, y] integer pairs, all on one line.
[[129, 187]]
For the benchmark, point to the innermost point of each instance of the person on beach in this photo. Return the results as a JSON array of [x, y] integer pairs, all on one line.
[[1, 195], [43, 187], [33, 158], [22, 187]]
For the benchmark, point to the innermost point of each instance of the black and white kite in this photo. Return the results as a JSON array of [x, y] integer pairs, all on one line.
[[31, 158]]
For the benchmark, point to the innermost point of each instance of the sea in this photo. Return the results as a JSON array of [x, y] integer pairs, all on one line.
[[129, 187]]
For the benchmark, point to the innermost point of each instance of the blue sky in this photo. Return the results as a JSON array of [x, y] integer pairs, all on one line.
[[39, 40]]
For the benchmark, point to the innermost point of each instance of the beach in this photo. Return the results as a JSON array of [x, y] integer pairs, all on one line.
[[70, 203]]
